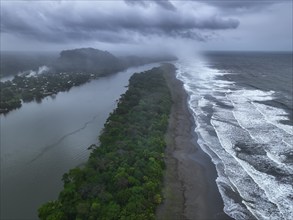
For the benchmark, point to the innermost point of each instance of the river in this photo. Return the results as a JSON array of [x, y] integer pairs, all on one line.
[[42, 141]]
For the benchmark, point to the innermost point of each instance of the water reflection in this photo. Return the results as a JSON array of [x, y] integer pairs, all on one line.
[[41, 141]]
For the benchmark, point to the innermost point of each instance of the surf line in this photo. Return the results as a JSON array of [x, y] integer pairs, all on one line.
[[48, 147]]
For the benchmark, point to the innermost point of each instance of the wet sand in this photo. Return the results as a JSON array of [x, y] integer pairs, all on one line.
[[190, 190]]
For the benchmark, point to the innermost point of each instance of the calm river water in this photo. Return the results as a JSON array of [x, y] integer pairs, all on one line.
[[42, 141]]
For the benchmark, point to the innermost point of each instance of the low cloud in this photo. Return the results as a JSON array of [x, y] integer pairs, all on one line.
[[162, 3], [71, 21], [224, 4], [142, 23], [246, 4]]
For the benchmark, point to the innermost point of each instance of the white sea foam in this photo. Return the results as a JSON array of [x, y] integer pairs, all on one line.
[[274, 116], [271, 138], [243, 137], [275, 136], [266, 183]]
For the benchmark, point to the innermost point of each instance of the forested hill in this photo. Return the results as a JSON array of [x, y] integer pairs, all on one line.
[[72, 68], [90, 60], [87, 60], [123, 177], [82, 60]]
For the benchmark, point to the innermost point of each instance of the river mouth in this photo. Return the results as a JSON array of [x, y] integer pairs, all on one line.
[[42, 141]]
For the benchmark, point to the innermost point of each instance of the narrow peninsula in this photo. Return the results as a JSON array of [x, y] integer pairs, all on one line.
[[123, 176], [146, 165]]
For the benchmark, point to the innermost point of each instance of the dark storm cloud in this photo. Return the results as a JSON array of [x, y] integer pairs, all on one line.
[[108, 22], [241, 3], [219, 3], [163, 3]]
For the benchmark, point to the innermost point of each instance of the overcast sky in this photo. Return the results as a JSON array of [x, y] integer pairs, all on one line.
[[147, 25]]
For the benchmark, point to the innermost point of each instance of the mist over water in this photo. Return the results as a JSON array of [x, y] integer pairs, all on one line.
[[242, 104], [25, 62]]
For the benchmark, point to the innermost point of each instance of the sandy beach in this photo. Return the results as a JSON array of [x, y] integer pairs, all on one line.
[[189, 189]]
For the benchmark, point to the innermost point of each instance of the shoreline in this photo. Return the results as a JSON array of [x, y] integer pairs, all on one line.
[[189, 189]]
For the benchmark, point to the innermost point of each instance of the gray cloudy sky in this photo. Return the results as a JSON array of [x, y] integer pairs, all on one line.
[[147, 25]]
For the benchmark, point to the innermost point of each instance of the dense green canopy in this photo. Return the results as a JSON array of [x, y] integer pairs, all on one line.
[[123, 177]]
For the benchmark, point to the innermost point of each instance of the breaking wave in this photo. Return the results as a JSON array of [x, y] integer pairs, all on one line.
[[251, 148]]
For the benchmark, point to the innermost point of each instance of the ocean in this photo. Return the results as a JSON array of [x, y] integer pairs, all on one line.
[[242, 106]]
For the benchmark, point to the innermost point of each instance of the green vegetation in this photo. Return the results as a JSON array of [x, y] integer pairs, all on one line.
[[72, 68], [87, 60], [123, 177], [23, 88]]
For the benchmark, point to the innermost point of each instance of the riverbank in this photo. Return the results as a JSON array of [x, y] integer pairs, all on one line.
[[51, 140], [188, 183], [122, 178]]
